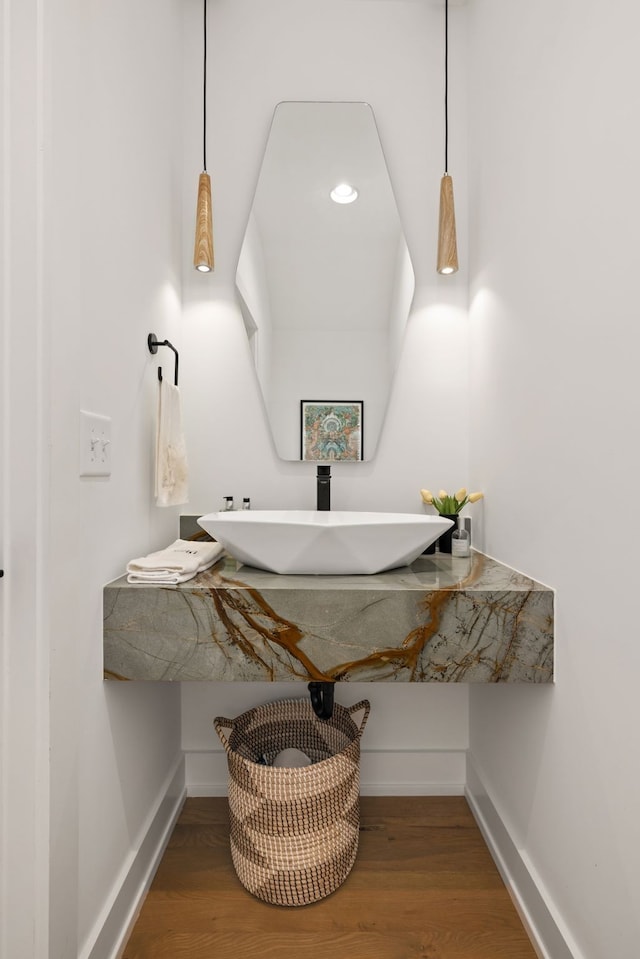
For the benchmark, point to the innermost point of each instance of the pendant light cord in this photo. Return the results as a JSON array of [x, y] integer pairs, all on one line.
[[446, 86], [204, 93]]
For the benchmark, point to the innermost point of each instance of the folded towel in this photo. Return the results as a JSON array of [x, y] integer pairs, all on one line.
[[175, 564], [172, 474]]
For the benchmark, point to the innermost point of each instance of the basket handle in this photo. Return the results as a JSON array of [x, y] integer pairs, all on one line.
[[363, 704], [221, 723]]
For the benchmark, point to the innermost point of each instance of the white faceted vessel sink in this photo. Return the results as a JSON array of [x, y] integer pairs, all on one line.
[[332, 542]]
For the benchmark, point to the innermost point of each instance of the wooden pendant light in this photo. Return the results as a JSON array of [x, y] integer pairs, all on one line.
[[447, 243], [203, 247]]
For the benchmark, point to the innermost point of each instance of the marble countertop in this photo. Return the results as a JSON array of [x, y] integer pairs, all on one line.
[[442, 619]]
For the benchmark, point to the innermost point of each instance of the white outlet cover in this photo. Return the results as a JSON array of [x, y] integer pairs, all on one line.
[[95, 444]]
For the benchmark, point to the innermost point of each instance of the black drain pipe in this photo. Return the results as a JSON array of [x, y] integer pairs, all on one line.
[[322, 699]]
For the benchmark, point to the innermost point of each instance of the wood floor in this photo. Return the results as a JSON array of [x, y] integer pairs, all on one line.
[[423, 887]]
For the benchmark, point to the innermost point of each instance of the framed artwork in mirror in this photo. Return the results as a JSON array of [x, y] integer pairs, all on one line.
[[331, 430]]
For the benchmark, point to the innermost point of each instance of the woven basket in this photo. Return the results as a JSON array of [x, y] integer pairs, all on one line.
[[294, 831]]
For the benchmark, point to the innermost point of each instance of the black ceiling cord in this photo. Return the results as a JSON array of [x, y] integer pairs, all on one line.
[[446, 86], [204, 94]]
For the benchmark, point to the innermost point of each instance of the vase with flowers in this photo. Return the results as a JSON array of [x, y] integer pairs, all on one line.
[[449, 506]]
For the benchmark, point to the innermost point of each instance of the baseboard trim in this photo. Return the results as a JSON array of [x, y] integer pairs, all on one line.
[[383, 772], [115, 922], [541, 920]]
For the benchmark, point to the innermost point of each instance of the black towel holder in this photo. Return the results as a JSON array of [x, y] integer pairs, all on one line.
[[153, 343]]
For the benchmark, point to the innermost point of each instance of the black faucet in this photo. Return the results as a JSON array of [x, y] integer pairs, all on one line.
[[324, 488]]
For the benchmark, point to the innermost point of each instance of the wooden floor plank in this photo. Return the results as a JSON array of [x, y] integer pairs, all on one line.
[[424, 886]]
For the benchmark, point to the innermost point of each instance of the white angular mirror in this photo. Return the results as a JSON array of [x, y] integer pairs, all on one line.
[[325, 283]]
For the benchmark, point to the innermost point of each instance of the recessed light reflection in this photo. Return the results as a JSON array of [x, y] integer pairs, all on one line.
[[344, 193]]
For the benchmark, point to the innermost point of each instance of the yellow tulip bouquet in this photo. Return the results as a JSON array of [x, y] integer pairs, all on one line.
[[446, 504]]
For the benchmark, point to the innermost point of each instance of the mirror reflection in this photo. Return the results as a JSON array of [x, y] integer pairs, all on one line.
[[325, 280]]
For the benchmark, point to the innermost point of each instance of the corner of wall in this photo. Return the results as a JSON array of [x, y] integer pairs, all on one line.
[[114, 924], [532, 902]]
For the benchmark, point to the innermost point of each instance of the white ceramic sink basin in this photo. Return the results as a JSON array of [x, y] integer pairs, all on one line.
[[332, 542]]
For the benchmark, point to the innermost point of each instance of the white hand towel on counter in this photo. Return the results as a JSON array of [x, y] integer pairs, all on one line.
[[175, 564], [172, 473]]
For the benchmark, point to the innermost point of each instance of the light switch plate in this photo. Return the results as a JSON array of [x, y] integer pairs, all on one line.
[[95, 444]]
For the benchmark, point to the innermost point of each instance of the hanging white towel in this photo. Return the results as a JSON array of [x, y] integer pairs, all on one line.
[[176, 564], [172, 474]]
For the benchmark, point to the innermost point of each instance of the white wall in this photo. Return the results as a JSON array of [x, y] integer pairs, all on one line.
[[555, 199], [403, 287], [554, 407], [254, 292], [24, 634], [112, 245], [390, 55]]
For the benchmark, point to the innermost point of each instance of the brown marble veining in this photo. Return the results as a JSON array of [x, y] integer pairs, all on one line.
[[443, 619]]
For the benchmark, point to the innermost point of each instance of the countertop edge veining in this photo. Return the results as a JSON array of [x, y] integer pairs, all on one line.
[[443, 619]]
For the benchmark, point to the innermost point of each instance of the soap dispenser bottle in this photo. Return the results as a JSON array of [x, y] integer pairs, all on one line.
[[460, 545]]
